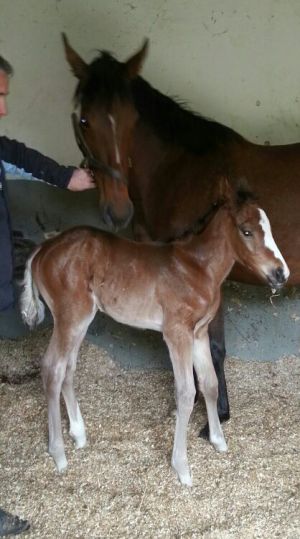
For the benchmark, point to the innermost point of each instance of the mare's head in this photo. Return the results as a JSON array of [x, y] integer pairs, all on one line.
[[252, 239], [103, 130]]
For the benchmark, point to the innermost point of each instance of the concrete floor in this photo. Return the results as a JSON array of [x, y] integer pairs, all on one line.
[[255, 328]]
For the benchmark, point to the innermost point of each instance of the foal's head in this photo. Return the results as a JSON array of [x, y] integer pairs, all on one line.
[[106, 121], [252, 238]]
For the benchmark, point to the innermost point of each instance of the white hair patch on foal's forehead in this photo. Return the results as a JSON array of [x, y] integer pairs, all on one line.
[[269, 240]]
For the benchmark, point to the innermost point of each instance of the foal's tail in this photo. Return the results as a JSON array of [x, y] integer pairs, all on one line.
[[32, 308]]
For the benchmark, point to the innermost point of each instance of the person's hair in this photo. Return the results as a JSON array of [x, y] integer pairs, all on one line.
[[5, 66]]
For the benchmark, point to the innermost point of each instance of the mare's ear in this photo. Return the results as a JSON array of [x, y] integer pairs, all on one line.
[[134, 64], [78, 66], [223, 192]]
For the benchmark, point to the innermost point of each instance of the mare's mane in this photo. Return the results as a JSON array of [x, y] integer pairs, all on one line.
[[170, 119], [174, 123]]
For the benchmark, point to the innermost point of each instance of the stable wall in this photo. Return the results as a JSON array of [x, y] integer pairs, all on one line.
[[235, 61]]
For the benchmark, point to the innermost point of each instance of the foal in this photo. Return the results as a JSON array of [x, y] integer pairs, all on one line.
[[173, 288]]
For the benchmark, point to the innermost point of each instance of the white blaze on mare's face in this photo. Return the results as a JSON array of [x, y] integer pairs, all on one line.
[[269, 241], [113, 126]]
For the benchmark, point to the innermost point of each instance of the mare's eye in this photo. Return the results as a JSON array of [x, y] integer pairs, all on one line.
[[247, 233], [84, 122]]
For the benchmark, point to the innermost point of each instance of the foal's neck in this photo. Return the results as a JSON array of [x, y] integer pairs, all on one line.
[[213, 247]]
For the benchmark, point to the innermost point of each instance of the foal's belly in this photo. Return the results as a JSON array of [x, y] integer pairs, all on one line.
[[136, 312]]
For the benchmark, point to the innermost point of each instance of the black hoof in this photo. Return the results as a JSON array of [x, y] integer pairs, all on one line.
[[204, 433], [11, 525]]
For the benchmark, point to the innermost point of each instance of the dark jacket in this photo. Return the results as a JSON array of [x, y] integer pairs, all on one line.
[[40, 167]]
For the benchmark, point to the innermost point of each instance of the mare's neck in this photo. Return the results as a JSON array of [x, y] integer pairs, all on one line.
[[175, 124]]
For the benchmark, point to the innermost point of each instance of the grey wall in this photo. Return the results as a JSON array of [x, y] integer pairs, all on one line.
[[235, 61]]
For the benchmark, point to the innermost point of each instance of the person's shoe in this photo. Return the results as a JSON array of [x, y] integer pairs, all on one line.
[[11, 525]]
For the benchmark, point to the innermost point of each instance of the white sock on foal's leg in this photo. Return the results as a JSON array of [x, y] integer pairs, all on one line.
[[77, 429]]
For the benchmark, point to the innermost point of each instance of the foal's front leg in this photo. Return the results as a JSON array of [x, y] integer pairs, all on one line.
[[218, 354], [209, 387], [179, 342]]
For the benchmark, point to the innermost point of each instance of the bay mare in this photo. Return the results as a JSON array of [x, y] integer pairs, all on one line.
[[174, 289], [152, 155]]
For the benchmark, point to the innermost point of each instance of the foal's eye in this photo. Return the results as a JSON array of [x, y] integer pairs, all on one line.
[[84, 122], [247, 233]]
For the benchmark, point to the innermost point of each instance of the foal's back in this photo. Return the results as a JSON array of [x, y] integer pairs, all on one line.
[[135, 283]]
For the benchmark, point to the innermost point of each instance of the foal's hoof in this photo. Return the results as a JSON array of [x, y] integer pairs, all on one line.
[[61, 465], [219, 445], [185, 480], [80, 442], [60, 462], [12, 525], [183, 472]]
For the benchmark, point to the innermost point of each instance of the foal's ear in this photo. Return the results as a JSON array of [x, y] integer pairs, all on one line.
[[78, 66], [223, 193], [134, 64]]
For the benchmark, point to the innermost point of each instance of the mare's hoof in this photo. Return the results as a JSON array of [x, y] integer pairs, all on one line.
[[204, 432], [11, 525]]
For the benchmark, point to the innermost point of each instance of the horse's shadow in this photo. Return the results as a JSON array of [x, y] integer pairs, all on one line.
[[130, 347]]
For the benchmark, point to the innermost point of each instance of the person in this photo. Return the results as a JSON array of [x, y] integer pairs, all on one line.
[[16, 154]]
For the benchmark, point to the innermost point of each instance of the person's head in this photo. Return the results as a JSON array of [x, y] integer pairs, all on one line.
[[6, 72]]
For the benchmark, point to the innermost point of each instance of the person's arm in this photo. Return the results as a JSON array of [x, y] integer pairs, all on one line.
[[42, 167], [13, 170]]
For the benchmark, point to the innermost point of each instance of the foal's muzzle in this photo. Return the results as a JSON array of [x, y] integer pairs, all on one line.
[[277, 278]]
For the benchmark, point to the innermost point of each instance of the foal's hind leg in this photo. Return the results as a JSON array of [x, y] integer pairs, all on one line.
[[53, 372], [218, 353], [57, 372], [77, 428], [209, 386], [179, 342]]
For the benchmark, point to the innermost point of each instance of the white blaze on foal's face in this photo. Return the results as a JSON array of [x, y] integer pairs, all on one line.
[[270, 243]]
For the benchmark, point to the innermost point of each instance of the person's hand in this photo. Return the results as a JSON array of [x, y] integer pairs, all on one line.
[[81, 180]]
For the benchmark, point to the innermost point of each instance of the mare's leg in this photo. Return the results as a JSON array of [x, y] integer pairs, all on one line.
[[180, 344], [208, 383], [58, 366], [218, 353]]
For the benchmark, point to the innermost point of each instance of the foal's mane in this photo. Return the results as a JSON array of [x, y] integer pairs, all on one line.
[[170, 119], [241, 196]]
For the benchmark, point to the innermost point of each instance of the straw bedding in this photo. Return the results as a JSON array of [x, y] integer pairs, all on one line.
[[121, 484]]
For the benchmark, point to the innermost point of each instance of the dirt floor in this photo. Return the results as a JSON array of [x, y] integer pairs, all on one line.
[[121, 484]]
